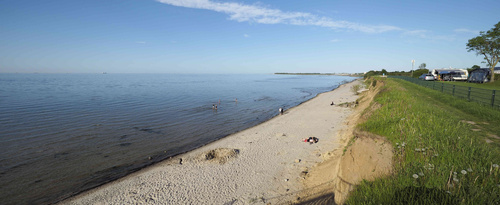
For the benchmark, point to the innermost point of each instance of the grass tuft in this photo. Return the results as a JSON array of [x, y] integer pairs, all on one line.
[[356, 88]]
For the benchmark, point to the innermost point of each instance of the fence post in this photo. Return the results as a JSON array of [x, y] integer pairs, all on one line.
[[468, 95], [493, 98], [453, 90], [442, 87]]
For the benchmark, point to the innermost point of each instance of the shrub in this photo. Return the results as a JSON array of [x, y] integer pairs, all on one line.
[[356, 88]]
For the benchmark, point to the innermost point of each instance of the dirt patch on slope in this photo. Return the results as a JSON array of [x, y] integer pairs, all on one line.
[[365, 156], [369, 157]]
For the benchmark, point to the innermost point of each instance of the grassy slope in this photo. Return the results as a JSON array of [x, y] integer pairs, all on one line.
[[437, 144], [491, 86]]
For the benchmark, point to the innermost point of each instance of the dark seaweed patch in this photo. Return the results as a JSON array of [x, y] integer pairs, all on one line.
[[148, 130], [60, 154], [264, 98]]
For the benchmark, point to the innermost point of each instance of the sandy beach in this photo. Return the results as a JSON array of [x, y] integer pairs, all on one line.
[[264, 164]]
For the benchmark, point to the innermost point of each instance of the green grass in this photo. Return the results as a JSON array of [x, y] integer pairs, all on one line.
[[432, 143], [486, 97], [490, 86]]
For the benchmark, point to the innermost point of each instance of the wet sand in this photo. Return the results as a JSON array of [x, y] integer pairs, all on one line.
[[260, 165]]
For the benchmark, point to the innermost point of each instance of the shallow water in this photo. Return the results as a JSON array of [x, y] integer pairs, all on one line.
[[61, 134]]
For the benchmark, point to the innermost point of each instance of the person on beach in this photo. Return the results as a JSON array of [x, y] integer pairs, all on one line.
[[281, 111], [213, 106]]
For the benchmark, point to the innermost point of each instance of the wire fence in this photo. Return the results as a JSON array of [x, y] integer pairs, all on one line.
[[483, 96]]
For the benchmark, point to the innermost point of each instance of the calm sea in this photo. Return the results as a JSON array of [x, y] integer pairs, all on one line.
[[61, 134]]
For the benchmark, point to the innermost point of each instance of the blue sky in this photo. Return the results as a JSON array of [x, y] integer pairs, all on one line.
[[238, 36]]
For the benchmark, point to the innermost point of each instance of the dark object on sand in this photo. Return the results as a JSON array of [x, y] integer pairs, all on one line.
[[312, 140]]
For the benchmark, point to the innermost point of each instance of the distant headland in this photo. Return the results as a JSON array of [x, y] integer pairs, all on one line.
[[339, 74]]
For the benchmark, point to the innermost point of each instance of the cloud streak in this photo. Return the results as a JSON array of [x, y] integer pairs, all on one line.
[[464, 30], [425, 34], [258, 14]]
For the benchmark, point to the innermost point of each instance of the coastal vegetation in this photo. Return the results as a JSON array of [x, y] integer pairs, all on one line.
[[447, 150], [419, 72], [377, 73], [340, 74], [356, 88]]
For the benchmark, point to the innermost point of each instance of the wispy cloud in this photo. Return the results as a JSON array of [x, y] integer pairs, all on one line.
[[246, 35], [327, 12], [259, 14], [141, 42], [425, 34], [418, 33], [464, 30], [334, 40]]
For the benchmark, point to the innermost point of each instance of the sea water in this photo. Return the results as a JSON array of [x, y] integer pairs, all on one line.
[[61, 134]]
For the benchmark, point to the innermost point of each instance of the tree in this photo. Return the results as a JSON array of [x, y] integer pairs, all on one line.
[[369, 74], [474, 67], [419, 72], [487, 44], [384, 72], [422, 66]]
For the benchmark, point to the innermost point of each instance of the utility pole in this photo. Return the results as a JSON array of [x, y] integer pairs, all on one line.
[[412, 64]]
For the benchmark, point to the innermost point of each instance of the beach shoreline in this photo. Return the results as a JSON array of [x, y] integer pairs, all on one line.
[[235, 168]]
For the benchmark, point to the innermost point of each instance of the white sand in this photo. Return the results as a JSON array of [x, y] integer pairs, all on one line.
[[265, 170]]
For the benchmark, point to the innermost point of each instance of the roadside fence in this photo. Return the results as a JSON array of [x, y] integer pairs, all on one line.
[[483, 96]]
